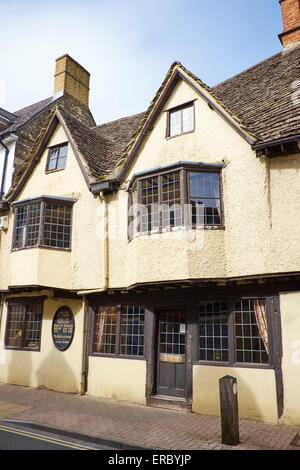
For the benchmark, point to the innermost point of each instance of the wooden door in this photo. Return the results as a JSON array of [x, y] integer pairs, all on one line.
[[171, 367]]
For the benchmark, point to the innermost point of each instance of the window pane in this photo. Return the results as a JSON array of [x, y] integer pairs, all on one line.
[[57, 158], [213, 332], [188, 119], [20, 229], [172, 333], [57, 225], [15, 322], [24, 325], [150, 204], [33, 326], [249, 343], [33, 224], [181, 120], [105, 330], [132, 331], [205, 204], [53, 155], [171, 200], [175, 123], [204, 185]]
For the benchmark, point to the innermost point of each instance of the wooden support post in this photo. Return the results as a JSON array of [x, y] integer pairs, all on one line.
[[229, 410]]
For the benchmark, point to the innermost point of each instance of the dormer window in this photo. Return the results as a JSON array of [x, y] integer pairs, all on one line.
[[57, 157], [181, 120]]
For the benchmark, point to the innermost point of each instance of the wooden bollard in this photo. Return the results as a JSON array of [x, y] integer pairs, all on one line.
[[229, 410]]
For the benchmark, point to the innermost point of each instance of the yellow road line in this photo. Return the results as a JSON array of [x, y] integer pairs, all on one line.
[[41, 437]]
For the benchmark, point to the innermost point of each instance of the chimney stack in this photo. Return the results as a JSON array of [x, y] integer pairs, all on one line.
[[71, 78], [291, 22]]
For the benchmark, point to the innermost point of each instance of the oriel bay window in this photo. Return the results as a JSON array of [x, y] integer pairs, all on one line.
[[186, 196], [23, 327], [43, 222], [234, 332], [118, 330]]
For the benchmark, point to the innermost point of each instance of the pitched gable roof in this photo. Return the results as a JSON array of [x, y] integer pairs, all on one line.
[[176, 72], [262, 96], [90, 149]]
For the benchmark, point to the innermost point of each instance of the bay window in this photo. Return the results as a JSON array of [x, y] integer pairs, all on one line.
[[187, 196], [44, 221]]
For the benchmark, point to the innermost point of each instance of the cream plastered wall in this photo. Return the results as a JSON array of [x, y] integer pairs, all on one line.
[[285, 212], [55, 268], [290, 311], [119, 379], [49, 367], [256, 391], [243, 248]]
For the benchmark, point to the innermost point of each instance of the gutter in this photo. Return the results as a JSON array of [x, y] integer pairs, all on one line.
[[272, 143], [4, 169]]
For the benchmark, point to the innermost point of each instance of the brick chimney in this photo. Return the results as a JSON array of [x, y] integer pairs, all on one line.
[[291, 22], [71, 78]]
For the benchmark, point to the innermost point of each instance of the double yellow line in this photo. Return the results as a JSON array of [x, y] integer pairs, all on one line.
[[42, 437]]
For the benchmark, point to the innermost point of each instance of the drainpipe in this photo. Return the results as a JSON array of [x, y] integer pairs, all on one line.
[[84, 364], [105, 241], [85, 357], [4, 169]]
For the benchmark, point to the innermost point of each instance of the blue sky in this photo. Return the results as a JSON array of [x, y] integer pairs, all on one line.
[[129, 45]]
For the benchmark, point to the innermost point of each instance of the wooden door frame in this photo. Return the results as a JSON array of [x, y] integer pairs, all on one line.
[[152, 328]]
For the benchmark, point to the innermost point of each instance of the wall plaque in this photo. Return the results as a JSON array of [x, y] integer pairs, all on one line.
[[63, 326]]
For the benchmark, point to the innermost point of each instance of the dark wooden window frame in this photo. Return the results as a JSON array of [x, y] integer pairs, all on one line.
[[185, 168], [59, 146], [24, 301], [120, 312], [232, 362], [43, 200], [180, 108]]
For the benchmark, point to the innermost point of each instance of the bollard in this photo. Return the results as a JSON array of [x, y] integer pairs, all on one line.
[[229, 410]]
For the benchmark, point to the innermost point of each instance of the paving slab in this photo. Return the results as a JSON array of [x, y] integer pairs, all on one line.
[[138, 426]]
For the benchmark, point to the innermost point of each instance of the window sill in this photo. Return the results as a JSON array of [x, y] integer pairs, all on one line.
[[54, 171], [169, 137], [236, 365], [13, 250], [117, 356], [12, 348], [177, 229]]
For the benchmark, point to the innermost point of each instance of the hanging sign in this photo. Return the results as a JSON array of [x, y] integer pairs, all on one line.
[[63, 326]]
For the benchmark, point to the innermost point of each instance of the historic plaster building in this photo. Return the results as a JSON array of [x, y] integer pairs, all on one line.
[[146, 258]]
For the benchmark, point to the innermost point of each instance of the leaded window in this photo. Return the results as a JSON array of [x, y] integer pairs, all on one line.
[[119, 330], [23, 327], [234, 332], [172, 199], [43, 223]]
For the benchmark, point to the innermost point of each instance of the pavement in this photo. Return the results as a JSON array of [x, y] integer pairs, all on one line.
[[126, 426]]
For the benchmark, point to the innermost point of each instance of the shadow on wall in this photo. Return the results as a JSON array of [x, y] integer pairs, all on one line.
[[53, 372]]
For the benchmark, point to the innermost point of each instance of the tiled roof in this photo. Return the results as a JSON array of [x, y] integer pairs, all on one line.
[[94, 149], [7, 115], [260, 100], [262, 96]]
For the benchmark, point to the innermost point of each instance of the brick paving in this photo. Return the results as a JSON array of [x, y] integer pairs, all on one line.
[[137, 425]]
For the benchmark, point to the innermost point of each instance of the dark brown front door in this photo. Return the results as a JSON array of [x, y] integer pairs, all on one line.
[[171, 367]]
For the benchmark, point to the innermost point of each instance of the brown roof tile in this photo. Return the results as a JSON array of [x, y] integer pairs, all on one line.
[[262, 96]]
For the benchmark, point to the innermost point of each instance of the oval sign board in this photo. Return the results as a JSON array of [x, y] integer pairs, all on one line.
[[63, 326]]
